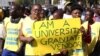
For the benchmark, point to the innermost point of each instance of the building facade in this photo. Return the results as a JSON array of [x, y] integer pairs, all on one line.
[[5, 3]]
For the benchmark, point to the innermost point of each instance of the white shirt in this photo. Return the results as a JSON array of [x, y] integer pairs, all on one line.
[[65, 16], [2, 30]]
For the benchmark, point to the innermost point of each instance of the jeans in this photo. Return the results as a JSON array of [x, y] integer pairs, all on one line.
[[8, 53]]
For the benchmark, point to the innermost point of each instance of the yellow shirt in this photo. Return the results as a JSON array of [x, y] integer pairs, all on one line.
[[27, 31], [95, 31], [12, 33]]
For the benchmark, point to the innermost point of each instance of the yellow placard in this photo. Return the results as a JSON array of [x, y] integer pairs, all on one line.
[[53, 35]]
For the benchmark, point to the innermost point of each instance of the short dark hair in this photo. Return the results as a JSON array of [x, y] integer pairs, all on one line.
[[76, 6], [53, 9], [60, 12]]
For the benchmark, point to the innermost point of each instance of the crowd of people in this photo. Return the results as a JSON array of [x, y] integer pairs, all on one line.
[[16, 31]]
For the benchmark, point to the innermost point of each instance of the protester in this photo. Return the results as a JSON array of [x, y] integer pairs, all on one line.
[[12, 43], [76, 11], [43, 15], [26, 29], [91, 32], [67, 11], [2, 30], [67, 8], [58, 14], [52, 10]]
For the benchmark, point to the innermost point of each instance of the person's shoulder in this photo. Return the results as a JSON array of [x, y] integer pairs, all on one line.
[[21, 20], [97, 24], [65, 16], [50, 17], [7, 18], [26, 18]]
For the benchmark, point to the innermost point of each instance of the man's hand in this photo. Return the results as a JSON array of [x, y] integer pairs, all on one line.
[[30, 39], [64, 52], [82, 30]]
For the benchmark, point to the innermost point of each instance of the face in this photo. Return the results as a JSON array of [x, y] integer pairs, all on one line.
[[35, 12], [87, 15], [76, 13], [55, 16], [42, 14]]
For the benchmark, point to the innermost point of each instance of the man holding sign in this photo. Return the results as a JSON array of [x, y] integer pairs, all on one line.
[[26, 29]]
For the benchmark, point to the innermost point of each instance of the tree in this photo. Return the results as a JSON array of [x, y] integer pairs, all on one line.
[[24, 2]]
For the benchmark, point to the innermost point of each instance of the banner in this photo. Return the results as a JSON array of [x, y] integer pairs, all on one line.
[[53, 35]]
